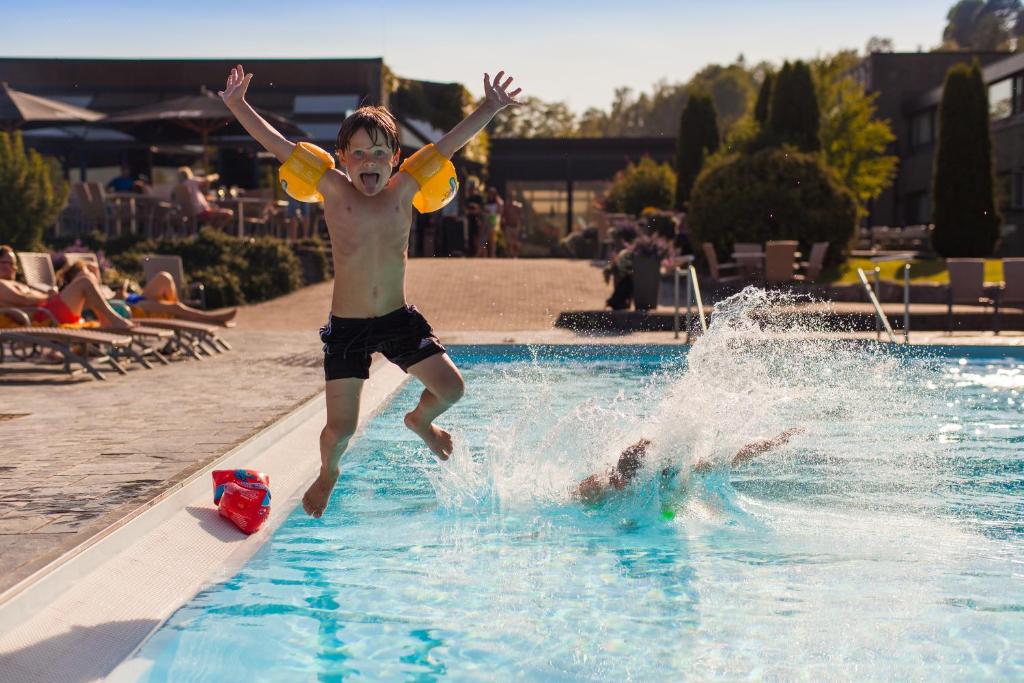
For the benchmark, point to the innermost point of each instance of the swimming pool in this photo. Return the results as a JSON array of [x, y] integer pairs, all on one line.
[[885, 542]]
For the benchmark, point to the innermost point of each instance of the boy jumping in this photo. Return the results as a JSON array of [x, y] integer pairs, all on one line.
[[368, 213]]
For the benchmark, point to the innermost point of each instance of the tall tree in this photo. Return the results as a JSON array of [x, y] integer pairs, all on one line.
[[698, 138], [764, 99], [983, 24], [32, 193], [793, 117], [963, 187], [853, 142], [535, 118]]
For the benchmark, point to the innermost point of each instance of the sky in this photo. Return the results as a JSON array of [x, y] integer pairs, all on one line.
[[576, 52]]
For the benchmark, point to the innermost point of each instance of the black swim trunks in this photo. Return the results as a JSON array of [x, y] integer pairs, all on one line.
[[404, 337]]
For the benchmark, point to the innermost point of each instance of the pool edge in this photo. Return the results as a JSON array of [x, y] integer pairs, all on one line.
[[55, 602]]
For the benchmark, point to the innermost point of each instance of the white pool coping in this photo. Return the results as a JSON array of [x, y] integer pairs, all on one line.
[[81, 616]]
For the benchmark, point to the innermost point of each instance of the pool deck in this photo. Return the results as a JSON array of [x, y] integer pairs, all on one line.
[[79, 457]]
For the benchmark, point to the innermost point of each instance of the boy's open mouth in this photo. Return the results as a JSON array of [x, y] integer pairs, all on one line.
[[369, 180]]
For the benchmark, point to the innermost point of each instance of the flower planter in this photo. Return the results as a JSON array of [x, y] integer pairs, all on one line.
[[646, 281]]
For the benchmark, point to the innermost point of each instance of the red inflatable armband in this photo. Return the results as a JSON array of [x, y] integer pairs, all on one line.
[[246, 504], [222, 477]]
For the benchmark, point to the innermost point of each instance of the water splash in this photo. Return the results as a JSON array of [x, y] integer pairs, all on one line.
[[756, 372]]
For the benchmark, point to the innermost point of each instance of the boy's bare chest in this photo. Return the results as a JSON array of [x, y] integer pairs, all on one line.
[[362, 224]]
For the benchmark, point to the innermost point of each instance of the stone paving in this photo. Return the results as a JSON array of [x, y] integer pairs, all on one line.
[[76, 455]]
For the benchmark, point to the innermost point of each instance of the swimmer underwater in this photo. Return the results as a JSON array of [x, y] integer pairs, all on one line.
[[597, 487], [368, 209]]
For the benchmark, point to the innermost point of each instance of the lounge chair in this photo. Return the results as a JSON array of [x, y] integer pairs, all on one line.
[[812, 267], [780, 261], [37, 268], [1012, 291], [26, 340], [717, 269], [39, 274], [967, 286], [193, 294]]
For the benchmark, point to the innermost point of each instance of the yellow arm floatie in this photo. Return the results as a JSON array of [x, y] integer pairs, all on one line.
[[435, 175], [301, 172]]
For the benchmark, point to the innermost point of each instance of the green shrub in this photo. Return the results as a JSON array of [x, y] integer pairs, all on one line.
[[222, 286], [640, 185], [270, 269], [32, 193], [776, 193], [314, 263]]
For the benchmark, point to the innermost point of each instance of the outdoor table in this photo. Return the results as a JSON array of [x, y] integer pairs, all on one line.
[[238, 204]]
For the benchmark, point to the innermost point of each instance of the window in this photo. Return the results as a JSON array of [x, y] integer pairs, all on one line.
[[321, 131], [1000, 99], [326, 104], [922, 128]]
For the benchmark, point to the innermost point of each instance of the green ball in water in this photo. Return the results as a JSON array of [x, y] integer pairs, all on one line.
[[668, 512]]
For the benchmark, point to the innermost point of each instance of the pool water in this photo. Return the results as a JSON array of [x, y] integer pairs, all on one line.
[[886, 541]]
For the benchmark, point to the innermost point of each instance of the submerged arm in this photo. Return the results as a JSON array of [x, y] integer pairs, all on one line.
[[752, 450]]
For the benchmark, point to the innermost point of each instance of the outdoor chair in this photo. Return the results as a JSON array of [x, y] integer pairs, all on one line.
[[812, 266], [967, 286], [1012, 291], [748, 265], [193, 294], [717, 269], [77, 347], [780, 261]]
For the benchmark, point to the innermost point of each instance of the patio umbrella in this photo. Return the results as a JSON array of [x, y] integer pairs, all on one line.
[[202, 114], [19, 109]]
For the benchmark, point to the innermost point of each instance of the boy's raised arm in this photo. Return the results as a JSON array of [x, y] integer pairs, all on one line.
[[233, 95], [496, 98]]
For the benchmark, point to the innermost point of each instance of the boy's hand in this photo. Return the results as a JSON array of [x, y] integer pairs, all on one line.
[[496, 93], [237, 84]]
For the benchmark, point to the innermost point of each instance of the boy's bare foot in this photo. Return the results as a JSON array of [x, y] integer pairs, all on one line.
[[438, 440], [314, 502]]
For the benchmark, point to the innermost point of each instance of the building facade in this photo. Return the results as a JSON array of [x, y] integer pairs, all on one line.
[[560, 180]]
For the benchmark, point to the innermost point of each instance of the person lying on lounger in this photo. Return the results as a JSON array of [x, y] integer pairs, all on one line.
[[597, 487], [160, 295], [66, 305]]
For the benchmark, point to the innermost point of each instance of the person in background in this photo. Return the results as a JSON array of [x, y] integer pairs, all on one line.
[[204, 212], [124, 182], [65, 306], [512, 226], [493, 207], [474, 216], [619, 271]]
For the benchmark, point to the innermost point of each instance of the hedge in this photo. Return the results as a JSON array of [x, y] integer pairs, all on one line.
[[776, 193]]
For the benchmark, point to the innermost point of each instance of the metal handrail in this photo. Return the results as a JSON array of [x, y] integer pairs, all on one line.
[[692, 292], [874, 302]]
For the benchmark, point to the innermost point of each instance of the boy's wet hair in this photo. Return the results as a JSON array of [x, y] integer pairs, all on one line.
[[378, 123]]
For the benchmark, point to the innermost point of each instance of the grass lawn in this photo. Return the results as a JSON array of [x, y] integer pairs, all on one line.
[[932, 270]]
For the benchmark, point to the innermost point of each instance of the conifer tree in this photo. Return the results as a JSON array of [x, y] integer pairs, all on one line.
[[698, 139], [793, 117], [963, 187], [764, 98]]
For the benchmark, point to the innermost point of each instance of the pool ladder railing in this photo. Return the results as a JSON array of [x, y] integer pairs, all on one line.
[[880, 320], [692, 296]]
